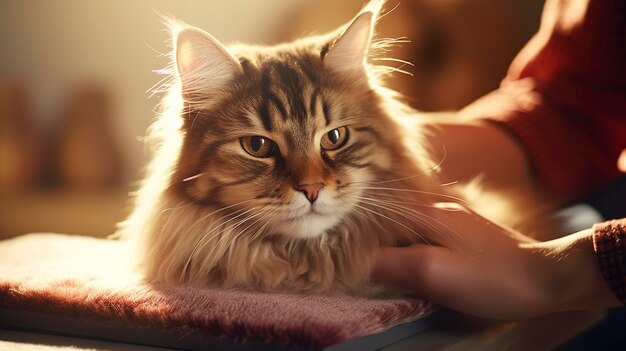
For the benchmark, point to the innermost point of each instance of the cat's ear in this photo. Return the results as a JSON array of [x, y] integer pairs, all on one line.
[[203, 63], [349, 52]]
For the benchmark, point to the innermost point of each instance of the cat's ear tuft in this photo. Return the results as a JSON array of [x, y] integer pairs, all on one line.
[[349, 52], [203, 63]]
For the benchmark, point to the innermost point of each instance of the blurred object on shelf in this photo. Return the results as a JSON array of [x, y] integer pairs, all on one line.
[[20, 146], [460, 50], [50, 48], [78, 211], [88, 156]]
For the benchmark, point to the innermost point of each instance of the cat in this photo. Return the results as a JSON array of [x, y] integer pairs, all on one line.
[[282, 167]]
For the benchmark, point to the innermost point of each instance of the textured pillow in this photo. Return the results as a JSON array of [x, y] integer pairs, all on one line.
[[91, 279]]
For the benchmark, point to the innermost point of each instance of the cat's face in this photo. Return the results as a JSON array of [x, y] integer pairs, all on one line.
[[288, 137]]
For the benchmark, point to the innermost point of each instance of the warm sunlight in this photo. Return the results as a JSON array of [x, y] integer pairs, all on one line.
[[312, 175]]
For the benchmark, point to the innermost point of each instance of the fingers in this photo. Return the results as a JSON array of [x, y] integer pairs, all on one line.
[[494, 287], [407, 267], [430, 272]]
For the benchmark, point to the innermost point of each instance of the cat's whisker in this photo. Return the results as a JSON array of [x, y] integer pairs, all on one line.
[[265, 215], [260, 230], [372, 219], [391, 198], [193, 177], [204, 237], [194, 118], [218, 211], [216, 223], [171, 219], [437, 230], [383, 14], [403, 199], [384, 46], [453, 231], [168, 209], [159, 87], [220, 225], [368, 218], [450, 197], [395, 221], [177, 207], [421, 174], [420, 221], [159, 54], [233, 227], [402, 212], [391, 69]]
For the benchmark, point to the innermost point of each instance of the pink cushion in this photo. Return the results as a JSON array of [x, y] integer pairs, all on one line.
[[91, 278]]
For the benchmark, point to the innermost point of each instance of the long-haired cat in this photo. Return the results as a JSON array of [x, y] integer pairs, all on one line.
[[282, 167]]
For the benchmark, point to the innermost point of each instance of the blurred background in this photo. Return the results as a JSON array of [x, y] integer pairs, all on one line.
[[74, 77]]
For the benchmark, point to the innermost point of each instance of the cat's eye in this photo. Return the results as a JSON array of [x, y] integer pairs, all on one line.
[[258, 146], [335, 139]]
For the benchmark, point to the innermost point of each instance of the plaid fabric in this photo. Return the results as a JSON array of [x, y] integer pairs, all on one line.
[[609, 242]]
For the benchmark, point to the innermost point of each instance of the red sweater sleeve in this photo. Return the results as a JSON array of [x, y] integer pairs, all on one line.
[[564, 98], [609, 242]]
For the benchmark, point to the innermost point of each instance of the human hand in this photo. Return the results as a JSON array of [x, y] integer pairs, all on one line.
[[486, 270]]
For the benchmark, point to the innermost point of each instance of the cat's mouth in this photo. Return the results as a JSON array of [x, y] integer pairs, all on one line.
[[312, 213], [307, 220], [306, 225]]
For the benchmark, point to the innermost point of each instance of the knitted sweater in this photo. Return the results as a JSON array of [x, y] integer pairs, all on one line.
[[564, 98], [564, 101], [609, 241]]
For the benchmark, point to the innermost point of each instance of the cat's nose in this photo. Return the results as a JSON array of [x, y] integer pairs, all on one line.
[[311, 190]]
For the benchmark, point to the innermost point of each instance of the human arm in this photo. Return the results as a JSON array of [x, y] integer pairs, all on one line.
[[497, 273], [467, 148], [557, 123]]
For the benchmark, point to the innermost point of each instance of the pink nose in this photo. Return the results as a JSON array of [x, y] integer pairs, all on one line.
[[311, 190]]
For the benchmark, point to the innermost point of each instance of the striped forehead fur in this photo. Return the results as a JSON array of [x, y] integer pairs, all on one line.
[[313, 46]]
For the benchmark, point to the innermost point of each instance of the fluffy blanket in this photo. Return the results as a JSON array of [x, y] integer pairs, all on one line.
[[91, 279]]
